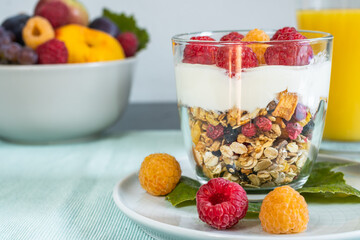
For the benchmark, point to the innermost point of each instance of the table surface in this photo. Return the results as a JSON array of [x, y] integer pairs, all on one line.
[[64, 191]]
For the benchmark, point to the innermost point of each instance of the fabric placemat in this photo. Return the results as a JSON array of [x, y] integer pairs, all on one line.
[[64, 191]]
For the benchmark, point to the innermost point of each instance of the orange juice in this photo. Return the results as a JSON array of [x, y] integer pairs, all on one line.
[[343, 116]]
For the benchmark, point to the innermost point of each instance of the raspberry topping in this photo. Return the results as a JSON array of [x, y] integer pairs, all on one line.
[[293, 129], [221, 203], [282, 31], [200, 52], [233, 36], [263, 123], [248, 130], [288, 53], [234, 58], [215, 132], [52, 52]]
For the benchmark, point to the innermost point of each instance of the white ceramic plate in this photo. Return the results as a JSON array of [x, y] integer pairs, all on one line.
[[163, 221]]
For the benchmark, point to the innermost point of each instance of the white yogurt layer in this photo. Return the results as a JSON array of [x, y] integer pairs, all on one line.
[[209, 87]]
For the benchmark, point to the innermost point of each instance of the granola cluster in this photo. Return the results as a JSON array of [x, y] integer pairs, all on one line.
[[264, 148]]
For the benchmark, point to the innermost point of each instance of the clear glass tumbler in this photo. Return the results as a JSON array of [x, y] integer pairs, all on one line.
[[342, 20], [252, 112]]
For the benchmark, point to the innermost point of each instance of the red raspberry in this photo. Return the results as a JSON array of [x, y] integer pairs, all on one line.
[[221, 203], [288, 53], [215, 132], [248, 130], [293, 129], [129, 43], [232, 37], [56, 12], [248, 58], [283, 31], [263, 123], [200, 52], [52, 52]]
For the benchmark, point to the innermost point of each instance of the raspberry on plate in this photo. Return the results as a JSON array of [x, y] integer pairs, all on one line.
[[286, 52], [221, 203], [284, 210], [52, 52], [199, 52], [159, 174], [263, 123]]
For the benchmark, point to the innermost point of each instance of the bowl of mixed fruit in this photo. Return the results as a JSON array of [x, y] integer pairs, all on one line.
[[62, 75]]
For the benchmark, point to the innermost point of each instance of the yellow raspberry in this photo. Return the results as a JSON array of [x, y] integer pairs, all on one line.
[[257, 35], [159, 174], [284, 210]]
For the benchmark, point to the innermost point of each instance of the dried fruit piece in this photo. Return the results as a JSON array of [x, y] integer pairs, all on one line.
[[200, 52], [37, 31], [215, 132], [159, 173], [293, 129], [300, 112], [248, 130], [259, 49], [263, 123], [221, 203], [286, 106], [195, 132], [290, 215]]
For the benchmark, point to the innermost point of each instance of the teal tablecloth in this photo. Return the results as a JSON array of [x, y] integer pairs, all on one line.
[[65, 191]]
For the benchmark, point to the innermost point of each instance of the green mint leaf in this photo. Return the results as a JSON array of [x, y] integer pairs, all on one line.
[[328, 183], [128, 24], [185, 191]]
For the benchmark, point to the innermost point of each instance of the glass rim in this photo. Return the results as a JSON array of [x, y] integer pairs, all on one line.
[[179, 38]]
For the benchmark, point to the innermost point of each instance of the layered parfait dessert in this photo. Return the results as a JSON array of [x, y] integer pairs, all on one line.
[[253, 107]]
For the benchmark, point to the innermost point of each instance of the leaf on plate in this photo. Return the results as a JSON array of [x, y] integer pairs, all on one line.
[[185, 191], [128, 24], [328, 183], [254, 207]]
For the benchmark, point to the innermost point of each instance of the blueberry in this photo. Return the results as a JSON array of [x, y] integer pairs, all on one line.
[[15, 25], [231, 169], [216, 153], [106, 25], [230, 134]]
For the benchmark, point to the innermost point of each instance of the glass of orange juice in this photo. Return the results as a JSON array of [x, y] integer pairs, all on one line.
[[342, 20]]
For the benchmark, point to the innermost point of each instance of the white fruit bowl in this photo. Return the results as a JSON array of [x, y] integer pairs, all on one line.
[[46, 103]]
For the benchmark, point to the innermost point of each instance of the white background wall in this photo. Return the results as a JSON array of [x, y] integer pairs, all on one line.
[[154, 78]]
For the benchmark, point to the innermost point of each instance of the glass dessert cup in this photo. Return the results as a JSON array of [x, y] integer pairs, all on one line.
[[259, 125], [342, 19]]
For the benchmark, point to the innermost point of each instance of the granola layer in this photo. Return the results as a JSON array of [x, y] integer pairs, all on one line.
[[263, 148]]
